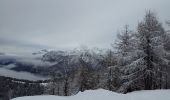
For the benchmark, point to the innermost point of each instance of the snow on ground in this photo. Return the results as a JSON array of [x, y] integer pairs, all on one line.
[[106, 95]]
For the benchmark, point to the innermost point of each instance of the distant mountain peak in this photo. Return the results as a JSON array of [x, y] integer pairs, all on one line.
[[43, 51]]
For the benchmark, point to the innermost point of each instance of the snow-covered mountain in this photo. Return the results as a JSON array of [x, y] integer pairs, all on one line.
[[40, 52], [43, 62]]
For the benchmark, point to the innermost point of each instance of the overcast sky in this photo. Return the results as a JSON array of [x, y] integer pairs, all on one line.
[[30, 25]]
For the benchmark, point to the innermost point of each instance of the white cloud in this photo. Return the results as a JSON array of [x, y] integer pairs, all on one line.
[[20, 75]]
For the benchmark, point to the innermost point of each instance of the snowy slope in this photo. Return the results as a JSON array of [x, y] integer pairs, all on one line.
[[107, 95]]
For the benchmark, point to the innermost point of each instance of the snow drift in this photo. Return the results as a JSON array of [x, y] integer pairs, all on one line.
[[106, 95]]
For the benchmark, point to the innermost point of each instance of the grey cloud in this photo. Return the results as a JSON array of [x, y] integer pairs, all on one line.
[[70, 23]]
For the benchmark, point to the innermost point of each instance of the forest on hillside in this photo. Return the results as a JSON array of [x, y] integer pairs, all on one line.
[[140, 60]]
